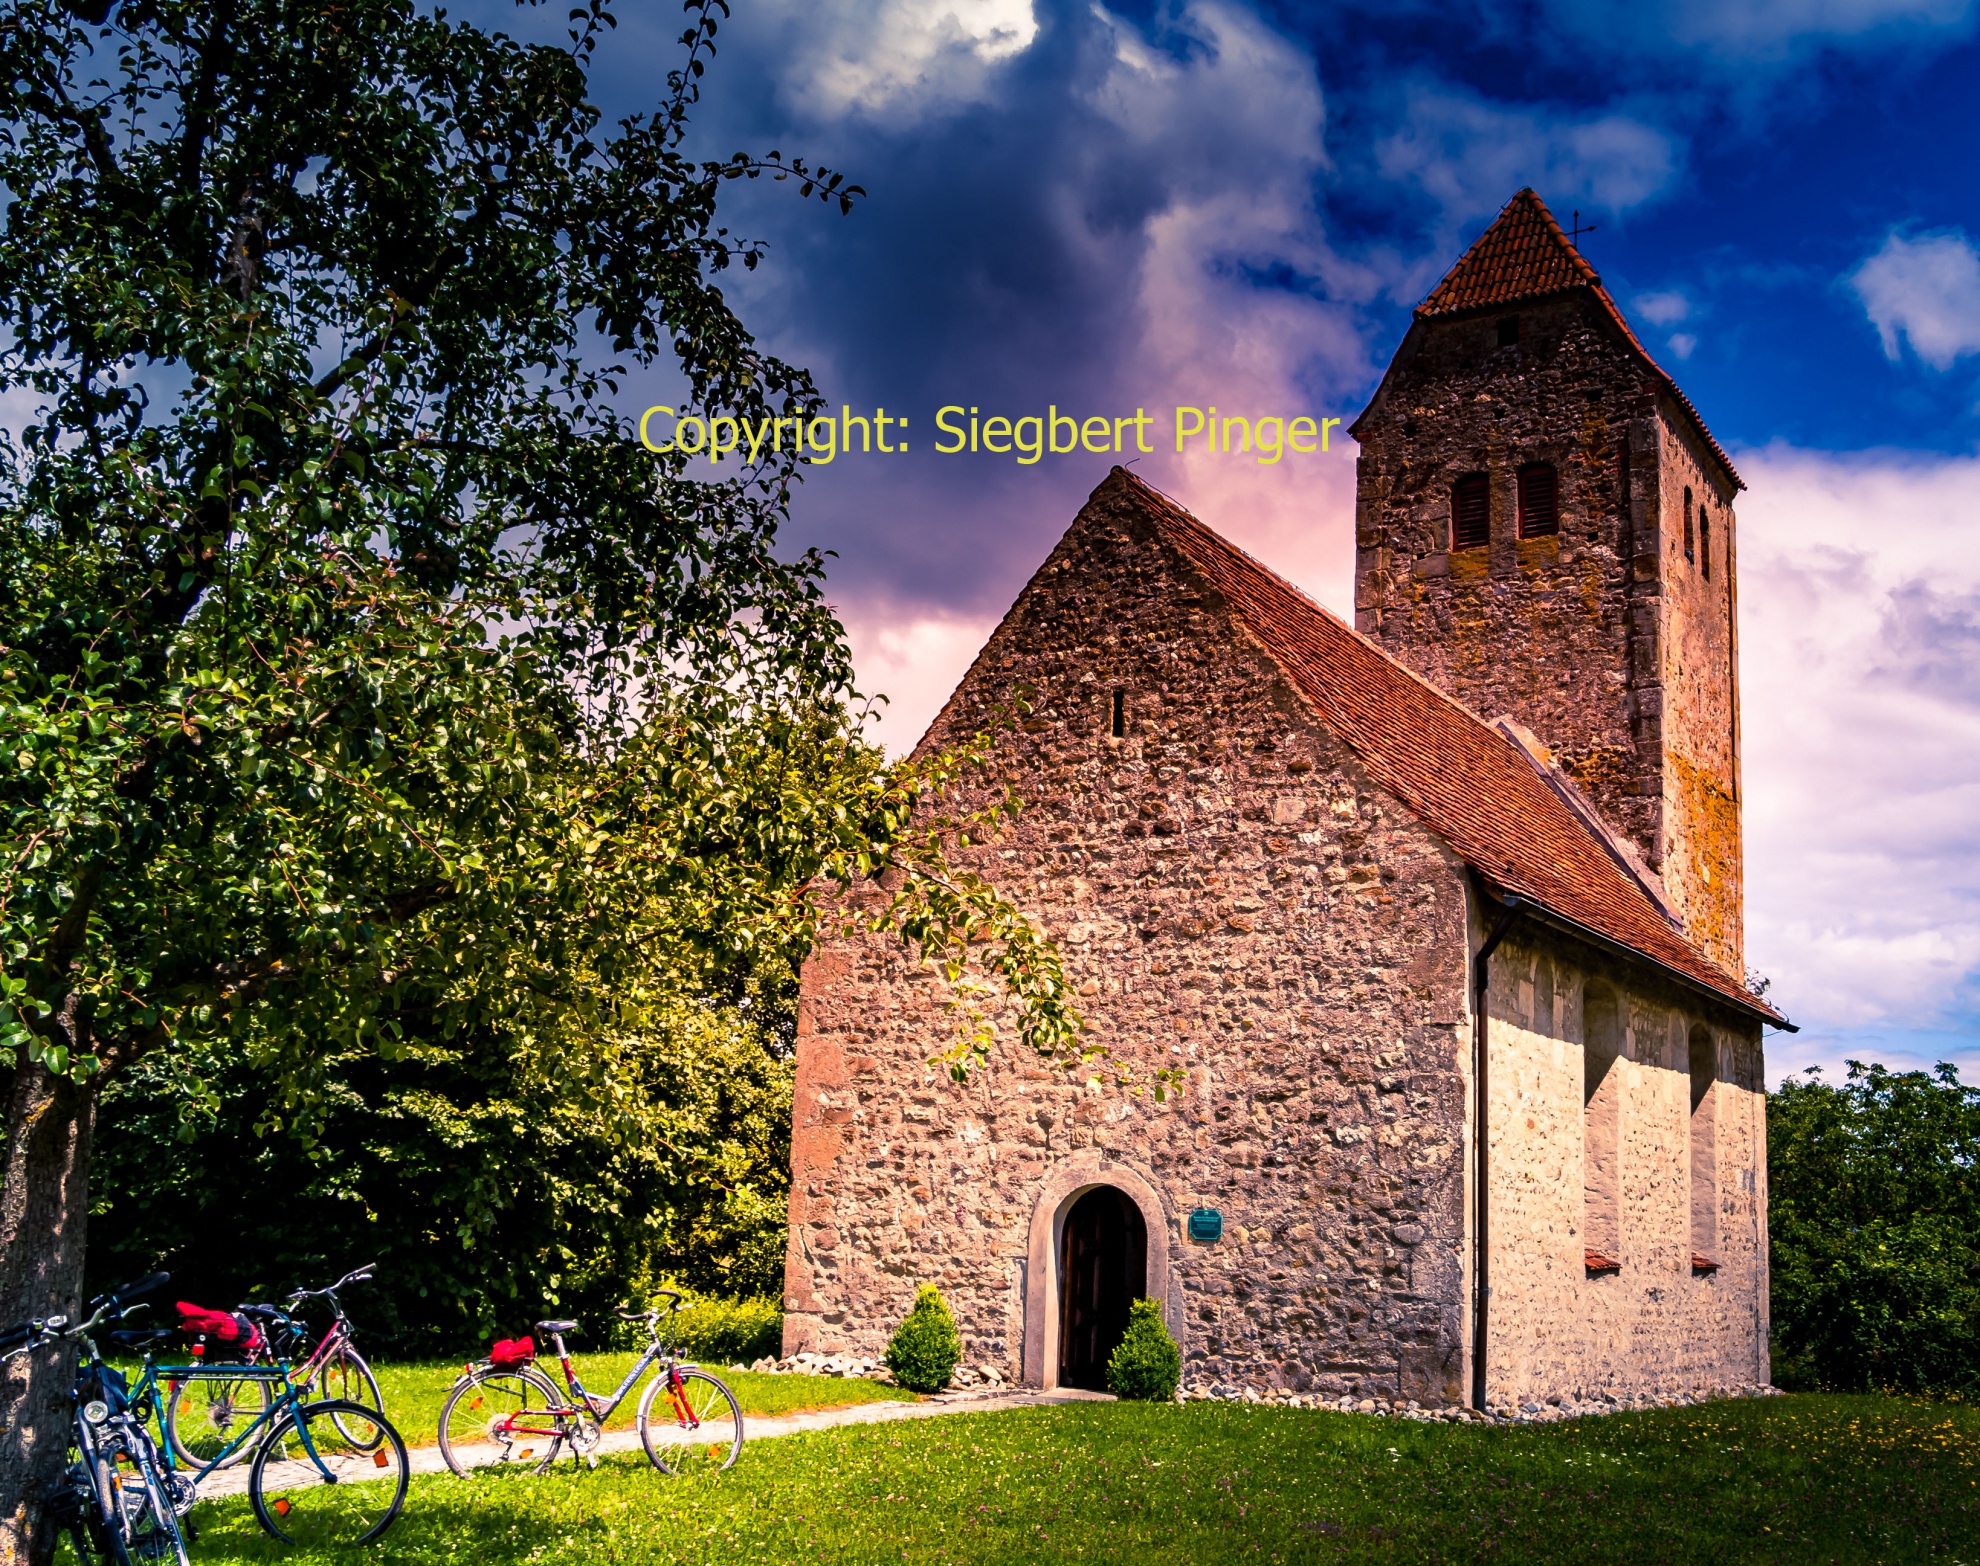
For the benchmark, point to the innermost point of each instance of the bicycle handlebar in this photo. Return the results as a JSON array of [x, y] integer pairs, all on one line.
[[132, 1290], [359, 1275]]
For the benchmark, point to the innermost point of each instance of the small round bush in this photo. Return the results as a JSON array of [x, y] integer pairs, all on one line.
[[1147, 1365], [924, 1352]]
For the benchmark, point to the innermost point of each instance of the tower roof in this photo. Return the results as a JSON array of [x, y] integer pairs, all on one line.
[[1525, 255]]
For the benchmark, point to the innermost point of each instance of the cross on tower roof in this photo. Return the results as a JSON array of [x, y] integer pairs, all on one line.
[[1575, 232]]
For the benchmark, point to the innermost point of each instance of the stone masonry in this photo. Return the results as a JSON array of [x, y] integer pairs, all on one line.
[[1234, 899]]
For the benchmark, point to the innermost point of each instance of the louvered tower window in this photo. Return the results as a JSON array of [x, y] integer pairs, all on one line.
[[1539, 501], [1690, 549], [1704, 543], [1471, 512]]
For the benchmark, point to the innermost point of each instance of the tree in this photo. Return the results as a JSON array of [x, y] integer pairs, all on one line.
[[1874, 1209], [364, 688]]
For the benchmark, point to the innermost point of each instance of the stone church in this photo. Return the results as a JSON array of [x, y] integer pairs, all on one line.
[[1434, 922]]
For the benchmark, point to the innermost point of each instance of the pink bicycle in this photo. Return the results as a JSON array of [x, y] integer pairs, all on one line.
[[205, 1412]]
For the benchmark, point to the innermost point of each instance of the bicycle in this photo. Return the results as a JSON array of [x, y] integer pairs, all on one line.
[[103, 1511], [203, 1411], [502, 1409], [327, 1473]]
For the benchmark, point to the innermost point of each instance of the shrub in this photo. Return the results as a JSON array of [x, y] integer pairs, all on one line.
[[924, 1352], [1147, 1365], [730, 1332]]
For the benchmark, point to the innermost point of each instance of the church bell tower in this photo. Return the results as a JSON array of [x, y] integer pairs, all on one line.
[[1544, 528]]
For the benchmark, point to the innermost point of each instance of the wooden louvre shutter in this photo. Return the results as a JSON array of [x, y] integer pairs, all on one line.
[[1471, 512], [1539, 501]]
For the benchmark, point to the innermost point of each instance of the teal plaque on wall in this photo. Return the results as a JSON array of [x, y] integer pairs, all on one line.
[[1206, 1224]]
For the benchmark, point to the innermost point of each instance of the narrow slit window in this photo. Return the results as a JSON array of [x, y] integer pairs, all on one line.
[[1539, 501], [1690, 552], [1471, 512], [1705, 543], [1704, 1151], [1120, 714], [1601, 1145]]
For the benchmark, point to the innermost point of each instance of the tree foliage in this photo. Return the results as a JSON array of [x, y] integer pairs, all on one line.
[[372, 708], [1874, 1219]]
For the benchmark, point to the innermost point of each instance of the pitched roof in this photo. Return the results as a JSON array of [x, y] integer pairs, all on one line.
[[1471, 784], [1525, 255]]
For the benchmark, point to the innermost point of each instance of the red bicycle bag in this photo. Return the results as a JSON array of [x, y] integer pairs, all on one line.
[[234, 1333], [507, 1353]]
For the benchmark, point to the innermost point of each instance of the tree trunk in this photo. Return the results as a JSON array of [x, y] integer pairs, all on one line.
[[44, 1211]]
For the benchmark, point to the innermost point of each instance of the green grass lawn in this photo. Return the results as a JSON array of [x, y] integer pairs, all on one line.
[[414, 1393], [1789, 1480]]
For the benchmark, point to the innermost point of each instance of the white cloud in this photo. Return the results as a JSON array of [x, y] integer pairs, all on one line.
[[1860, 651], [1470, 155], [915, 658], [1681, 344], [901, 59], [1662, 309], [1926, 290]]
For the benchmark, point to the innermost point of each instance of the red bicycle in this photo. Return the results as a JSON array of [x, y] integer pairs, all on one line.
[[505, 1410]]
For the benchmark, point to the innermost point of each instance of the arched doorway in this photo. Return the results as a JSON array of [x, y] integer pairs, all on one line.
[[1103, 1266]]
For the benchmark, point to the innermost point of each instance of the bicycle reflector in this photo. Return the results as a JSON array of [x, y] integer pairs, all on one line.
[[380, 1460], [96, 1411]]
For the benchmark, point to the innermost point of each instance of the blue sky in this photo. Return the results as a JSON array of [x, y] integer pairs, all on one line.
[[1112, 206]]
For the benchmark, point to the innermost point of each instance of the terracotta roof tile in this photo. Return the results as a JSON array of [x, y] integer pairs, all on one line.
[[1470, 783], [1525, 255]]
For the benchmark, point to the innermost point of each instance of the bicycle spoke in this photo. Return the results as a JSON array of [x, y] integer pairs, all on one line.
[[696, 1427], [499, 1418], [347, 1493], [206, 1414]]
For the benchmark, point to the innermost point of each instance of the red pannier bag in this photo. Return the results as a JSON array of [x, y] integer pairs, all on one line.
[[507, 1353], [232, 1334]]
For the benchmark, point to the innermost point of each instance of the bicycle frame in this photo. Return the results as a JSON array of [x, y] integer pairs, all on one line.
[[288, 1396], [602, 1409]]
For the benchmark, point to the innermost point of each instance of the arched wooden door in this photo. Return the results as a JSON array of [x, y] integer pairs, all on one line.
[[1103, 1266]]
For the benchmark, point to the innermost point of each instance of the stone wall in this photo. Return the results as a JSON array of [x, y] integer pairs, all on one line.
[[1702, 856], [1657, 1325], [1237, 903], [1574, 635]]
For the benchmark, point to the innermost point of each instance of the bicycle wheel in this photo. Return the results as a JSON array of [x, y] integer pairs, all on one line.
[[497, 1417], [348, 1379], [202, 1415], [347, 1492], [698, 1427]]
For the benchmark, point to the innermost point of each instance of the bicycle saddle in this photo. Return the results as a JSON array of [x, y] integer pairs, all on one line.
[[273, 1311], [556, 1326], [141, 1337]]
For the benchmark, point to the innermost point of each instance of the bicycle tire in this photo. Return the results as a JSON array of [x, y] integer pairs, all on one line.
[[104, 1488], [703, 1430], [504, 1395], [366, 1490], [209, 1411], [346, 1378]]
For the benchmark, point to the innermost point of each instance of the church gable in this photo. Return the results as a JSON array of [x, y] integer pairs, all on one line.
[[1243, 910]]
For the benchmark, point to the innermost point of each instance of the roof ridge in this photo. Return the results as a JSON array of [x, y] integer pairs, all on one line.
[[1523, 836]]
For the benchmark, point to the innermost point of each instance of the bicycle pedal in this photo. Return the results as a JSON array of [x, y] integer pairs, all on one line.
[[591, 1462]]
